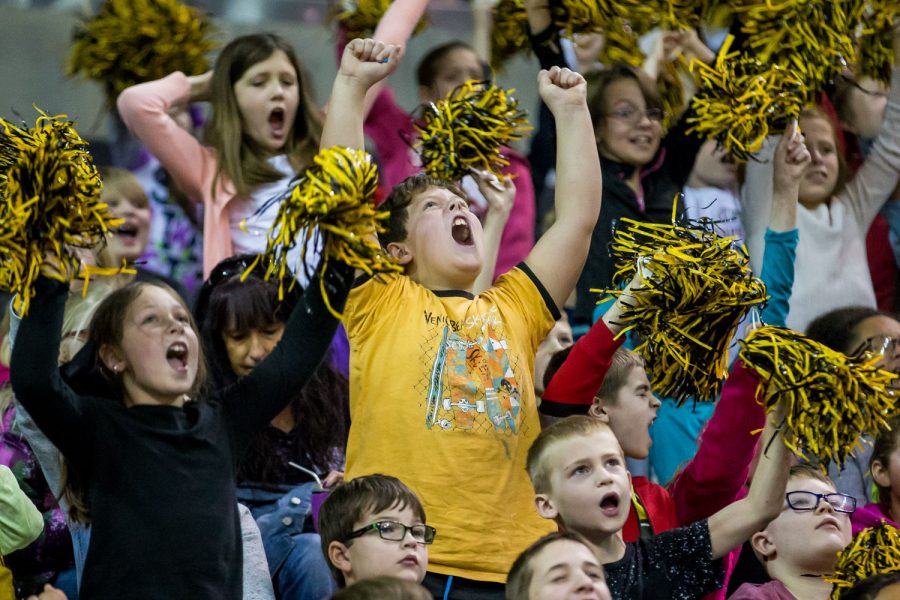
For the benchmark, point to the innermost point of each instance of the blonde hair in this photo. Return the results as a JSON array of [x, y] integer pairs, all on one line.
[[565, 429]]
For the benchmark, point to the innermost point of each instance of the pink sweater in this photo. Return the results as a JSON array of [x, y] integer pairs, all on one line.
[[388, 126], [145, 110]]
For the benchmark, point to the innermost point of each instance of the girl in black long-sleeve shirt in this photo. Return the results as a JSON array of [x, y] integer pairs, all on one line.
[[158, 471]]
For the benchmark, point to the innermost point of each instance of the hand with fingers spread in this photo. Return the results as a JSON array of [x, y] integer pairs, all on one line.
[[366, 62], [562, 90]]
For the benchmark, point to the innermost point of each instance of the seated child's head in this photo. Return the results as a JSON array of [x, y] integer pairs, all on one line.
[[626, 402], [813, 527], [557, 567], [884, 586], [383, 588], [580, 481], [373, 526], [860, 104], [559, 338], [447, 67], [432, 233], [885, 467], [127, 200]]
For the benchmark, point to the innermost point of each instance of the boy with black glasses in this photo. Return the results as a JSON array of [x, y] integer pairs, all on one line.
[[375, 526], [798, 548]]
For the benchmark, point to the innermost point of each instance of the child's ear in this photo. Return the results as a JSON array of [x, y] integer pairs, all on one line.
[[339, 556], [880, 474], [762, 543], [545, 506], [399, 252], [112, 358], [598, 411]]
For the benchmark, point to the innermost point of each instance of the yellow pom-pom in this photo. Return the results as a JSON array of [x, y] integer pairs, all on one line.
[[132, 41], [812, 38], [359, 18], [467, 131], [876, 55], [874, 551], [509, 35], [742, 99], [829, 400], [695, 287], [334, 200], [49, 204]]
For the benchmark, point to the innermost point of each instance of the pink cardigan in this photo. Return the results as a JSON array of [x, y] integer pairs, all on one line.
[[145, 110]]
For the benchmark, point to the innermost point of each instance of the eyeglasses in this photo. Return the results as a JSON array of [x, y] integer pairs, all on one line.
[[857, 85], [393, 531], [632, 116], [803, 501], [878, 345]]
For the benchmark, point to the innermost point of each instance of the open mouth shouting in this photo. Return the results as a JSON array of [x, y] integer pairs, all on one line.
[[128, 231], [177, 356], [462, 232], [609, 504], [277, 122]]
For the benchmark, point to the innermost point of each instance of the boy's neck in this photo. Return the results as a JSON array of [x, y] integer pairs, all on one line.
[[436, 285], [808, 585], [608, 548]]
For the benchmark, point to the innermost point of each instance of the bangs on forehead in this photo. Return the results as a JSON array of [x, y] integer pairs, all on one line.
[[246, 306], [401, 502]]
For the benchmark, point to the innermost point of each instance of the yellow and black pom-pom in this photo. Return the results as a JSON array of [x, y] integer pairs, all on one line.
[[874, 551], [828, 399], [741, 100], [359, 18], [812, 38], [334, 199], [876, 55], [695, 288], [132, 41], [467, 131], [509, 35], [49, 204]]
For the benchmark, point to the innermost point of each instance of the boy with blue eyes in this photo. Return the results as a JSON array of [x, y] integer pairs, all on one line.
[[799, 547], [580, 481], [374, 526]]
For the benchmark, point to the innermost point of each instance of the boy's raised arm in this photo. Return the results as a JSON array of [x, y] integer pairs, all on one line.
[[363, 64], [558, 257], [734, 524]]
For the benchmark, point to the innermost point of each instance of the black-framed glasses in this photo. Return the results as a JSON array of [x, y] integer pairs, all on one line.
[[802, 501], [633, 116], [876, 93], [393, 531], [878, 345]]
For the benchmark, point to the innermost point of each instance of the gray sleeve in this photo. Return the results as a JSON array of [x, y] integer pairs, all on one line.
[[257, 581], [48, 456]]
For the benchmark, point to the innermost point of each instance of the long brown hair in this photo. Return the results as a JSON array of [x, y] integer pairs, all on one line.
[[241, 161]]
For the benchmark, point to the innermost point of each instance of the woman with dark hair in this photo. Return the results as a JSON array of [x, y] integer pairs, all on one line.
[[240, 322]]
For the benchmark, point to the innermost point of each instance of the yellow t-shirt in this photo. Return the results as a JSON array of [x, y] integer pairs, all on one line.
[[442, 397]]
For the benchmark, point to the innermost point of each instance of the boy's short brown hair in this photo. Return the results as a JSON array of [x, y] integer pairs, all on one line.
[[564, 429], [352, 499], [623, 361], [398, 201], [810, 472], [521, 573]]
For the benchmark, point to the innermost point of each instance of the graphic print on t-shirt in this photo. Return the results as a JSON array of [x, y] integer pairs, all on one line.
[[472, 385]]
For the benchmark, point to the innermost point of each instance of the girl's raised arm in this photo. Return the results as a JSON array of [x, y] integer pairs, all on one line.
[[35, 377], [145, 110]]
